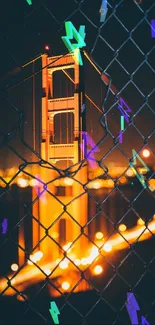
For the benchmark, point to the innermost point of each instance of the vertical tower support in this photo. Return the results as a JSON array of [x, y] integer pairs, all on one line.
[[53, 206]]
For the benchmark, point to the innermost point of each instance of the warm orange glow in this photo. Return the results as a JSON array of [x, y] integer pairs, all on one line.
[[77, 262], [122, 227], [21, 182], [14, 267], [35, 257], [65, 285], [140, 222], [29, 275], [64, 264], [129, 172], [107, 247], [123, 180], [146, 153], [99, 235], [68, 181], [34, 182], [84, 261], [55, 235], [47, 271], [151, 183], [98, 269], [66, 247], [22, 298]]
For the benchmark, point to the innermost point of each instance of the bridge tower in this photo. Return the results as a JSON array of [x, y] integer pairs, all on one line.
[[48, 210]]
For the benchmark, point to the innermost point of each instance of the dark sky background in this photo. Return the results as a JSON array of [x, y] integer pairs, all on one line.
[[122, 47]]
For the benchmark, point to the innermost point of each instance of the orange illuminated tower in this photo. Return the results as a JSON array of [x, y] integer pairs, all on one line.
[[70, 209]]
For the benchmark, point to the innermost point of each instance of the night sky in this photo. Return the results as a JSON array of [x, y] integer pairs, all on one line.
[[122, 47]]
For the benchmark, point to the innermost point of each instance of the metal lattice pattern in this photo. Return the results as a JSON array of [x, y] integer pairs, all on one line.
[[119, 63]]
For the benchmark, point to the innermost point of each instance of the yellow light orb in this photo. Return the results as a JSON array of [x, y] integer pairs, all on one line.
[[68, 181], [14, 267], [47, 271], [140, 222], [107, 247], [21, 182], [34, 182], [84, 261], [65, 285], [146, 153], [63, 265], [77, 262], [98, 269], [55, 235], [99, 235], [122, 227]]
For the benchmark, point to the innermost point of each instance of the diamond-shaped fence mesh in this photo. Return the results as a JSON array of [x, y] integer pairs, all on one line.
[[77, 210]]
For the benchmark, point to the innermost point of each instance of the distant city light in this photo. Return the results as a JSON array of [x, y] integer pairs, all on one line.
[[146, 153], [55, 235], [122, 227], [107, 247], [64, 264], [98, 269], [47, 271], [99, 235], [140, 222], [14, 267], [65, 285], [21, 182], [47, 48], [77, 262]]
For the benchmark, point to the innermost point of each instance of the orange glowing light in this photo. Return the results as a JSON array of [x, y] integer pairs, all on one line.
[[107, 247], [65, 285], [146, 153], [98, 269], [47, 48], [14, 267], [64, 264], [122, 227], [99, 235], [77, 261], [21, 182], [66, 247], [47, 271], [140, 222], [55, 235]]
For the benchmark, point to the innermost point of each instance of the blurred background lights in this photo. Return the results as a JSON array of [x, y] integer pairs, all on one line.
[[129, 172], [122, 227], [99, 235], [33, 182], [146, 153], [47, 47], [140, 222], [98, 269], [55, 235], [47, 271], [14, 267], [65, 285], [68, 181], [64, 264], [107, 247], [77, 261], [21, 182]]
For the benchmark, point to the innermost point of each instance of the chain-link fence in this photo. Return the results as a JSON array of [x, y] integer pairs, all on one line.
[[80, 235]]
